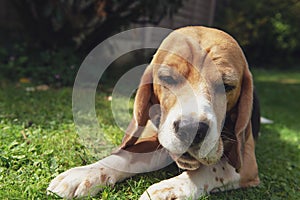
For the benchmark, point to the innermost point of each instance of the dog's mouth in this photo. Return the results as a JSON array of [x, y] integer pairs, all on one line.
[[190, 161], [186, 161]]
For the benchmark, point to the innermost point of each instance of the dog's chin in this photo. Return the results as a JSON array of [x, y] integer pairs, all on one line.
[[191, 161], [187, 162], [212, 157]]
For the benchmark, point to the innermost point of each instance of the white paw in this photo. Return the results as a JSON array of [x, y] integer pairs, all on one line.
[[174, 188], [81, 181]]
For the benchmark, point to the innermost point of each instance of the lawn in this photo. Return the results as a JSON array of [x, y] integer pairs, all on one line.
[[38, 141]]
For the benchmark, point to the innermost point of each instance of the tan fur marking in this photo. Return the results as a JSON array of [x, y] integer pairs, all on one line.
[[163, 190], [222, 180], [103, 177], [205, 187], [87, 184]]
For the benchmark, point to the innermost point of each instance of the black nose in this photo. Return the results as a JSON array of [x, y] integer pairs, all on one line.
[[201, 132], [186, 130]]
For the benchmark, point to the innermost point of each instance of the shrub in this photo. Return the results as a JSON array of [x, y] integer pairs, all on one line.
[[56, 34], [53, 67], [268, 30]]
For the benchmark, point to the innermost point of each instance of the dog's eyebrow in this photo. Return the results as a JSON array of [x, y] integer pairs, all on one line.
[[229, 78]]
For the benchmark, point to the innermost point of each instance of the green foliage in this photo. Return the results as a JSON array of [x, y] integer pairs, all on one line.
[[268, 30], [57, 33], [53, 67], [38, 141], [86, 23]]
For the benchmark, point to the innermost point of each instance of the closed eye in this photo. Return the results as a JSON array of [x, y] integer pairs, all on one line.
[[229, 81], [228, 87], [224, 87], [168, 79]]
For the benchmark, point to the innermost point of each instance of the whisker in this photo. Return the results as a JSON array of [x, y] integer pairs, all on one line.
[[228, 135], [158, 147], [227, 132], [228, 138], [226, 158]]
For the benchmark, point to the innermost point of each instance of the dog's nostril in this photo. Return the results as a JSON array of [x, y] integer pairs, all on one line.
[[201, 132], [176, 125]]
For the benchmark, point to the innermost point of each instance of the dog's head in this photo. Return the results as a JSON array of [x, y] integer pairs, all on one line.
[[200, 79]]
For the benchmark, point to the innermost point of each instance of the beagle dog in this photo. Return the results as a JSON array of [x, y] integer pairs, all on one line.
[[196, 106]]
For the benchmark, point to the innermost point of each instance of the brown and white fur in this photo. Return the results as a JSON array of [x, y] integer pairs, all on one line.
[[207, 134]]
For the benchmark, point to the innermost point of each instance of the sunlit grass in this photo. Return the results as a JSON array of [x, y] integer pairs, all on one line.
[[38, 141]]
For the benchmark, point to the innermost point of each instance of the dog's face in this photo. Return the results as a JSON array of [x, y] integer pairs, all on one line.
[[197, 81], [194, 95]]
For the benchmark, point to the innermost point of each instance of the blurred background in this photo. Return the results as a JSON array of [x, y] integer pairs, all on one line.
[[44, 42]]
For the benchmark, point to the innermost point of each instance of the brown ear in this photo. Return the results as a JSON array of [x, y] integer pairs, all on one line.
[[244, 134], [241, 155], [244, 113], [144, 99], [238, 121]]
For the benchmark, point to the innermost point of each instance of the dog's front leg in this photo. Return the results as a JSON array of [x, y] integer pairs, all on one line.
[[89, 180], [194, 184], [86, 180]]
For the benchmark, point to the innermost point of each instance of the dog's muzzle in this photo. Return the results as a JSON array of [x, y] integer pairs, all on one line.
[[187, 162], [192, 133]]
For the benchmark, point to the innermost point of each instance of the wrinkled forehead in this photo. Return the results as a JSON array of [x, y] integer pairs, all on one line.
[[178, 47], [167, 63], [184, 55], [177, 65]]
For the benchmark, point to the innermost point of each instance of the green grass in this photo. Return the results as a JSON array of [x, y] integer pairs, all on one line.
[[38, 141]]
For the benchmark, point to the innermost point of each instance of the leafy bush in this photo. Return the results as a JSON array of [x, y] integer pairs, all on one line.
[[56, 34], [86, 23], [268, 30], [53, 67]]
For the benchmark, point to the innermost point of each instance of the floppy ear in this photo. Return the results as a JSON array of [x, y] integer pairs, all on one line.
[[244, 113], [238, 122], [144, 99], [242, 156]]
